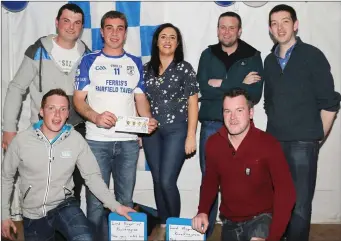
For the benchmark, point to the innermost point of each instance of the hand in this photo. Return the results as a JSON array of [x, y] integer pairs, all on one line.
[[200, 223], [190, 144], [257, 239], [252, 78], [152, 125], [215, 82], [6, 226], [124, 211], [7, 138], [106, 120], [139, 140]]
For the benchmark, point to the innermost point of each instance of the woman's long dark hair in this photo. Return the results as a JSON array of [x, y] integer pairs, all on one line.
[[155, 57]]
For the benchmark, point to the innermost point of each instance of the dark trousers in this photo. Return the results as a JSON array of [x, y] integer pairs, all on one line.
[[208, 128], [77, 179], [67, 218], [165, 155], [302, 159], [257, 227]]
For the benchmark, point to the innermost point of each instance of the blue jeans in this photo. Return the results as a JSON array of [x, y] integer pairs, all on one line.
[[258, 227], [67, 218], [119, 159], [302, 159], [165, 155], [208, 128]]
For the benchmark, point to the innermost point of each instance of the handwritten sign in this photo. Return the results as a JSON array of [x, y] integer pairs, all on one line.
[[184, 232], [127, 230], [122, 229], [181, 229]]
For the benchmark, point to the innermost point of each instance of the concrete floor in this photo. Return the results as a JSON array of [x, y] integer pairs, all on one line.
[[319, 232]]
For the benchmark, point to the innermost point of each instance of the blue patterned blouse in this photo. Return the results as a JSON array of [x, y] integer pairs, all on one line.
[[168, 94]]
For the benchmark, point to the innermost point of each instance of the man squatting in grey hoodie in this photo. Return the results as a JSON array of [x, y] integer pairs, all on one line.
[[49, 63], [45, 155]]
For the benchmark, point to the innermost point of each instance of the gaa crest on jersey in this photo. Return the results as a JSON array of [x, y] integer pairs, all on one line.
[[130, 70]]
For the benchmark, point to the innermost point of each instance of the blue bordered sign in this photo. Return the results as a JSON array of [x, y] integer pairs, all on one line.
[[118, 222], [181, 229], [14, 6], [224, 3]]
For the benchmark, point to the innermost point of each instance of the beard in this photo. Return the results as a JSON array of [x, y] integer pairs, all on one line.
[[236, 130], [229, 44]]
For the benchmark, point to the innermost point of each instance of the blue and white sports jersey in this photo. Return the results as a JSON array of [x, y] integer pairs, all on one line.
[[111, 82]]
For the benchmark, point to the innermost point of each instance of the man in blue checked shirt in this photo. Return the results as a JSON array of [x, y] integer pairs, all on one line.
[[109, 83]]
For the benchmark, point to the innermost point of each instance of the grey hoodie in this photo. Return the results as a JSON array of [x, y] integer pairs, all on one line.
[[40, 73], [46, 171]]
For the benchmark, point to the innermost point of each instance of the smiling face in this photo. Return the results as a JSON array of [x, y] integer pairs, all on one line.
[[55, 113], [114, 34], [69, 25], [228, 31], [237, 115], [283, 28], [167, 41]]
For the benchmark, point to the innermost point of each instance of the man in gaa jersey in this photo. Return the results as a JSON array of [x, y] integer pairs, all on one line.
[[109, 84]]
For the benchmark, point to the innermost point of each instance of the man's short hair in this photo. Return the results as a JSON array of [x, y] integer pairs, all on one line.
[[114, 14], [285, 8], [58, 92], [72, 7], [231, 14], [238, 92]]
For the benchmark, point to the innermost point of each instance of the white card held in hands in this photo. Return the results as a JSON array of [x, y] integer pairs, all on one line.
[[132, 124]]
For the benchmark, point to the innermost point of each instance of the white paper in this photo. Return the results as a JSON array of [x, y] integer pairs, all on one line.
[[127, 230], [184, 232], [132, 124]]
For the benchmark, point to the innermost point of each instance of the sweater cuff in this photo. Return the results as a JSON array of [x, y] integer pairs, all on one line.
[[9, 126], [203, 210], [5, 214], [112, 205]]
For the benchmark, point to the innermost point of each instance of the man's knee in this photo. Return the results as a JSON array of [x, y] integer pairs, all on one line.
[[84, 237], [302, 211]]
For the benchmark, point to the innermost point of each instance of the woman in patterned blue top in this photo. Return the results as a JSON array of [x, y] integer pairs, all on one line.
[[172, 90]]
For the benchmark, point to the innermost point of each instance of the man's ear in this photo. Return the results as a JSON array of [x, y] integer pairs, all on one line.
[[56, 23], [240, 31], [296, 26], [41, 114], [251, 112]]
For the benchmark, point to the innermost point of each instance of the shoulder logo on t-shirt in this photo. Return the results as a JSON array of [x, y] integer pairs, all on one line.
[[130, 70]]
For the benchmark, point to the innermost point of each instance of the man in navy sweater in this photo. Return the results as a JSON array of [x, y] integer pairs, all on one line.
[[301, 104], [249, 166]]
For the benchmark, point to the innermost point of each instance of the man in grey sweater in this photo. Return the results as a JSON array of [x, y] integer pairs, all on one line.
[[49, 63], [45, 155]]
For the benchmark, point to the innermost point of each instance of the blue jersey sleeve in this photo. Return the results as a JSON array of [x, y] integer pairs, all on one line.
[[82, 80], [141, 84], [141, 87]]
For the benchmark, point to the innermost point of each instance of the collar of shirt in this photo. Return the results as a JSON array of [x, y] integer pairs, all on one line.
[[284, 61], [249, 136], [287, 54]]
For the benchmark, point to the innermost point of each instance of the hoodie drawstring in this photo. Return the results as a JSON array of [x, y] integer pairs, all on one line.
[[40, 67]]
